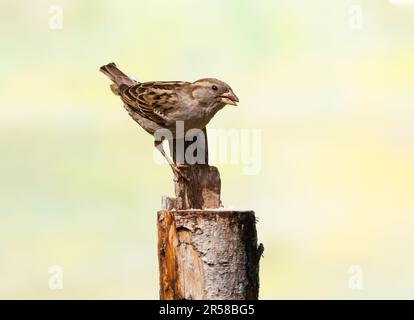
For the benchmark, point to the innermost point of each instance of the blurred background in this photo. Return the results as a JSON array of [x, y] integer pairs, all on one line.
[[328, 83]]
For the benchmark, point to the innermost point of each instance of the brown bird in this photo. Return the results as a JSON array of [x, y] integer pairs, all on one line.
[[160, 104]]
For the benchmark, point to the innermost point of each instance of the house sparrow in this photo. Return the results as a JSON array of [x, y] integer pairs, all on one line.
[[159, 104]]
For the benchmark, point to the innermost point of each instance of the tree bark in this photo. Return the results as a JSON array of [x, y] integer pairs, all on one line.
[[202, 189], [205, 252], [208, 254]]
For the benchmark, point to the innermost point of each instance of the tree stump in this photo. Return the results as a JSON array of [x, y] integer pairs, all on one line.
[[205, 252]]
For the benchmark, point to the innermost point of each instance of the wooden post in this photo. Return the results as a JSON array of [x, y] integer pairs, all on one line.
[[205, 252]]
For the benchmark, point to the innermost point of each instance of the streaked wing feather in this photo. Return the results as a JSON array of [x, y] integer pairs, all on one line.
[[153, 100]]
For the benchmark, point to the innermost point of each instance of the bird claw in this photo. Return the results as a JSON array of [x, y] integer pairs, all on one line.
[[178, 173]]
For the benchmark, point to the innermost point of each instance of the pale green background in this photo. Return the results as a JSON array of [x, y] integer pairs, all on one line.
[[79, 187]]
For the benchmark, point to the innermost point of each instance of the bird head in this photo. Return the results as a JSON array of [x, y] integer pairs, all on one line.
[[214, 91]]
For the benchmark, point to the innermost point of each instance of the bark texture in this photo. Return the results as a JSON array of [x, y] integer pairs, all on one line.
[[202, 189], [208, 254], [205, 252]]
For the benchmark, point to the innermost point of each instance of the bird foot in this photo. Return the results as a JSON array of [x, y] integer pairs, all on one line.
[[178, 173]]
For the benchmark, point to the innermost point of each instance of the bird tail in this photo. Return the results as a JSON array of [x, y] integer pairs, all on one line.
[[120, 79]]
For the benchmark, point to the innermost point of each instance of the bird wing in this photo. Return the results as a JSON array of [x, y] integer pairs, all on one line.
[[153, 100]]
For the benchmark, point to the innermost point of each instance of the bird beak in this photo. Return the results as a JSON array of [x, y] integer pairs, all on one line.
[[229, 98]]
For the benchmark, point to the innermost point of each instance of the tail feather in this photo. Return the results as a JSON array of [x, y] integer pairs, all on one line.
[[119, 78]]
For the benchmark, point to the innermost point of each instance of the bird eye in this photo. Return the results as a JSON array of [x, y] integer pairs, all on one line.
[[214, 88]]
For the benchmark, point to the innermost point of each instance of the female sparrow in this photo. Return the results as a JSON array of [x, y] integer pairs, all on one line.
[[160, 104]]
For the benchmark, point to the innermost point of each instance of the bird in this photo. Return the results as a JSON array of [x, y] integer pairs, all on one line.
[[159, 105]]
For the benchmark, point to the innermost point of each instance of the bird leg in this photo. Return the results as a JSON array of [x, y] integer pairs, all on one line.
[[175, 168]]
